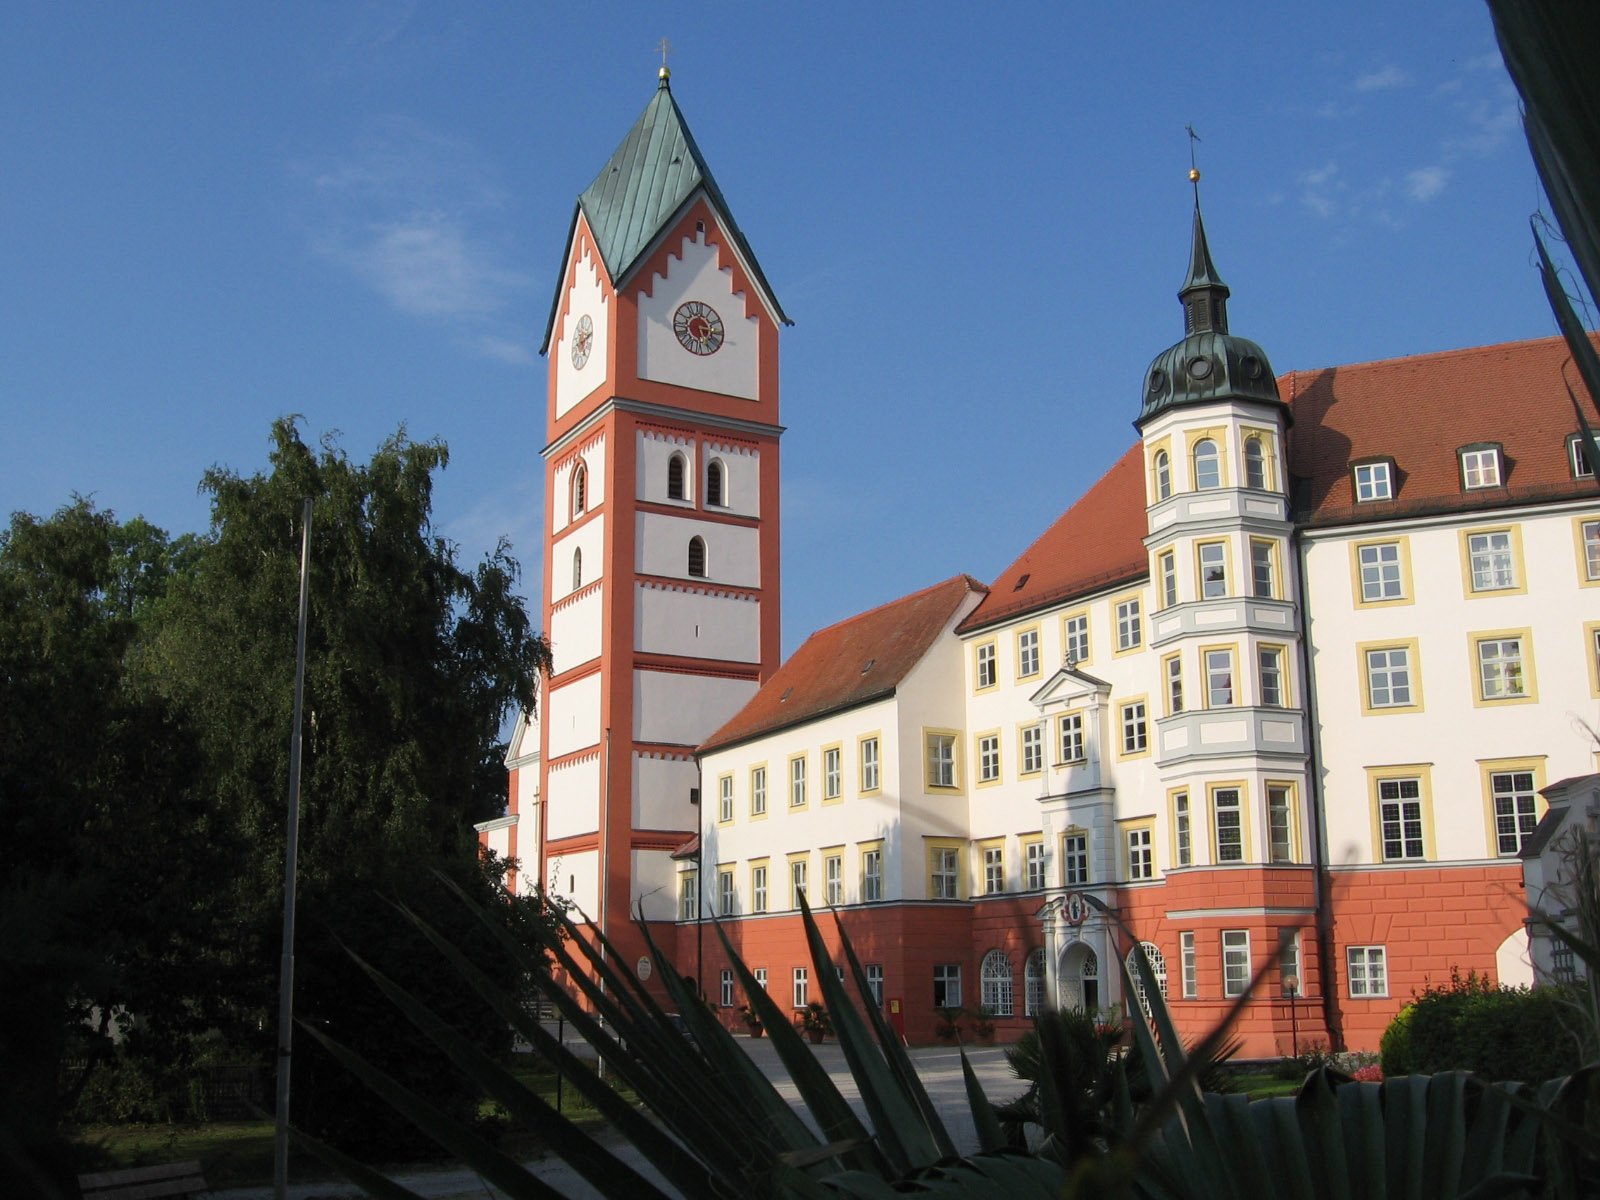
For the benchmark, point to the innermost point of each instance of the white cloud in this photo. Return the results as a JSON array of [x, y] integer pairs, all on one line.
[[1382, 79], [1425, 183], [1319, 187], [427, 265]]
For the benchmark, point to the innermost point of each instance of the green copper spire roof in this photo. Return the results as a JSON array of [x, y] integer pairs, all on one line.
[[1204, 295], [644, 187]]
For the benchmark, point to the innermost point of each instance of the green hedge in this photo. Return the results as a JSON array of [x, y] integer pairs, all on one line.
[[1498, 1033]]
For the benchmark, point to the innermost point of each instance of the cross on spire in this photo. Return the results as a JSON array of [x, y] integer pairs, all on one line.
[[665, 73]]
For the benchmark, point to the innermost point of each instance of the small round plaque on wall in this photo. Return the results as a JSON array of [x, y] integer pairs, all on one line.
[[1077, 909], [642, 969]]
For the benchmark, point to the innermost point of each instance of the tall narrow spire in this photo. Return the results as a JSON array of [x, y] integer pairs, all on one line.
[[1204, 295]]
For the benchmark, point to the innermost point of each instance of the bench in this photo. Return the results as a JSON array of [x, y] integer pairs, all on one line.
[[144, 1183]]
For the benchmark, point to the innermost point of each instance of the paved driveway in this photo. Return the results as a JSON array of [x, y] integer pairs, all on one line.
[[939, 1067]]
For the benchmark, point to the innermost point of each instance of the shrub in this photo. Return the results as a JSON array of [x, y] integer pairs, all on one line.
[[1498, 1033], [1395, 1047]]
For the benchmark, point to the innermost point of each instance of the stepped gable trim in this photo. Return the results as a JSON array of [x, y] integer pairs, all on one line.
[[1419, 411], [826, 675], [1095, 546]]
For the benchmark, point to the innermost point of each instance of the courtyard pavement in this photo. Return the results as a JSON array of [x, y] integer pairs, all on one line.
[[939, 1067]]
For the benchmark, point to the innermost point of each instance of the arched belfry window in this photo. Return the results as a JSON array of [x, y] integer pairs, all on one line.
[[1207, 465], [1255, 465], [697, 557], [1163, 466], [716, 487], [580, 490], [675, 477], [577, 569]]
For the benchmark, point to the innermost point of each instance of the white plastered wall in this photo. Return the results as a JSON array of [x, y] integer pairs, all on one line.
[[674, 709], [586, 297], [576, 877], [575, 627], [574, 798], [661, 786], [590, 539], [733, 552], [572, 712], [696, 622], [741, 476], [655, 885], [693, 274], [655, 450], [593, 456]]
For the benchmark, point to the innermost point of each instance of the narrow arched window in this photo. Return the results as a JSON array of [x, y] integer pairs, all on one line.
[[580, 490], [697, 557], [1033, 989], [675, 477], [577, 569], [1207, 465], [1255, 465], [996, 980], [1163, 475], [714, 485]]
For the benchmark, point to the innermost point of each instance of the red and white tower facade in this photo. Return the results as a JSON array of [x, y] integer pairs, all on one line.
[[661, 501]]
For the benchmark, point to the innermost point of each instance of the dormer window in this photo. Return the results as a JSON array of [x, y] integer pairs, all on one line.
[[1481, 466], [1207, 465], [1373, 480], [675, 477], [1578, 457]]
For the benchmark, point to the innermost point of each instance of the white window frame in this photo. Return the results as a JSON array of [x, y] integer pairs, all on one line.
[[1382, 576], [1141, 853], [1130, 627], [1280, 823], [944, 873], [1077, 637], [725, 798], [1368, 972], [1163, 466], [1502, 668], [869, 765], [988, 757], [1190, 965], [1480, 468], [1032, 749], [1263, 570], [1209, 477], [801, 986], [689, 896], [1256, 475], [1027, 653], [1373, 481], [1227, 822], [758, 791], [1221, 691], [1182, 829], [1134, 719], [1590, 532], [1493, 560], [1389, 677], [1269, 666], [1158, 968], [1167, 561], [1213, 557], [941, 756], [1034, 990], [1401, 820], [874, 972], [947, 985], [832, 773], [833, 878], [725, 992], [1515, 799], [994, 870], [1037, 866], [725, 893], [797, 782], [997, 983], [1235, 962], [1071, 743], [758, 889], [799, 870], [871, 876], [987, 665], [1075, 855]]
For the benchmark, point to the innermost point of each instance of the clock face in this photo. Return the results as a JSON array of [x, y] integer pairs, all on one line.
[[582, 341], [698, 327]]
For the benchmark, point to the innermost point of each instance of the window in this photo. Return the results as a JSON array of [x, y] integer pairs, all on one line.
[[577, 569], [1263, 575], [1027, 653], [724, 892], [1035, 866], [675, 477], [1480, 467], [758, 792], [1493, 560], [1400, 819], [1172, 671], [833, 878], [869, 764], [1158, 968], [1389, 678], [1578, 457], [798, 869], [1213, 570], [758, 889], [871, 875], [875, 982], [725, 997], [1033, 981], [1129, 634], [1134, 737], [689, 896], [1374, 481], [1255, 464], [1501, 674], [1514, 809], [1589, 533], [989, 758], [797, 782], [1141, 857], [1071, 731], [1167, 562], [1075, 859], [1382, 576], [941, 760], [761, 977], [1269, 660], [1235, 961], [1077, 638], [994, 870], [1032, 749], [1163, 466], [1227, 818], [1190, 965], [697, 557], [995, 982], [580, 490], [716, 486], [1563, 964], [944, 873], [725, 798], [1219, 678], [947, 985], [1289, 978], [1182, 834], [1368, 970], [802, 986], [986, 665], [1207, 465], [1280, 828], [832, 776]]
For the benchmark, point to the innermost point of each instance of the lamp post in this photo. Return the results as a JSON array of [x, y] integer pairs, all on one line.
[[1291, 989]]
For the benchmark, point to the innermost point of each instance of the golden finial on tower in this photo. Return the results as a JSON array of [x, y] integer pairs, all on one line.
[[664, 74]]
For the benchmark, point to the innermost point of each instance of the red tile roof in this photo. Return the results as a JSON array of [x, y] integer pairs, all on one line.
[[1417, 410], [858, 660]]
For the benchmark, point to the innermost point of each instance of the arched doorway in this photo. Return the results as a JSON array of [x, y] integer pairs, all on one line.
[[1079, 978]]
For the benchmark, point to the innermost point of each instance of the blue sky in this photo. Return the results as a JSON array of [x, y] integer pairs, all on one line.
[[977, 215]]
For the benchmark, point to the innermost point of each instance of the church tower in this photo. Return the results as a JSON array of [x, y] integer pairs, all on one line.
[[661, 501]]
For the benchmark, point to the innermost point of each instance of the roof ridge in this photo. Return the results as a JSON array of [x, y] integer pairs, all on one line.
[[972, 584], [1459, 352]]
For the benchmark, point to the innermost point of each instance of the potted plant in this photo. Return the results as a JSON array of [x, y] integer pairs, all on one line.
[[981, 1023], [816, 1022], [946, 1024], [751, 1020]]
